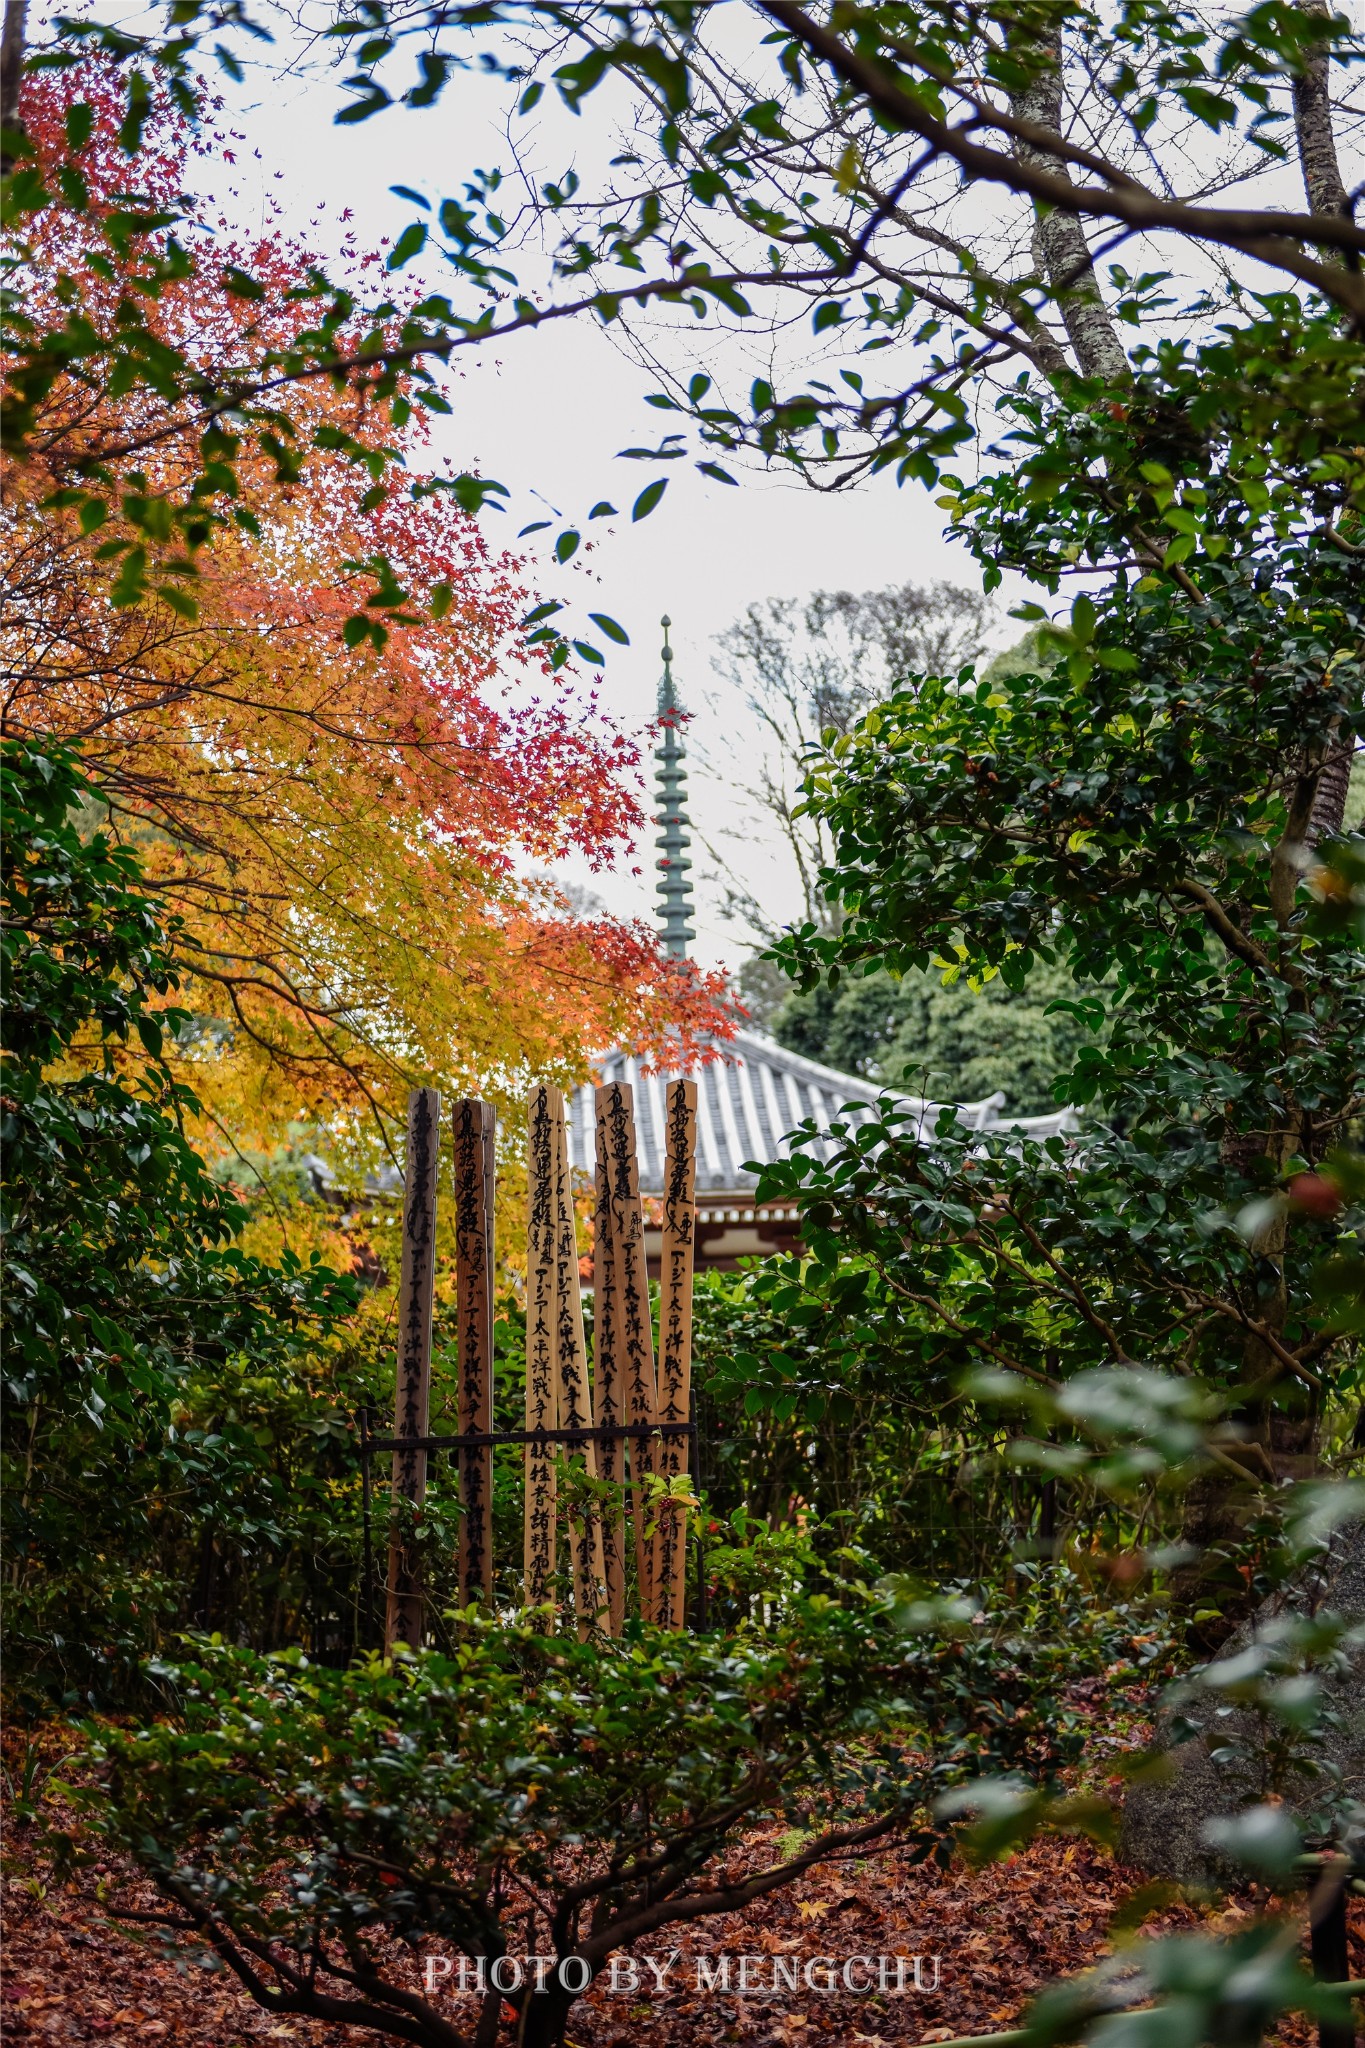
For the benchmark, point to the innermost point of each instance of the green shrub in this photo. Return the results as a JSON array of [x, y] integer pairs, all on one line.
[[316, 1828]]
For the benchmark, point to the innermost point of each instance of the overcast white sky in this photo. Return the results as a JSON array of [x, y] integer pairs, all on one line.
[[548, 414]]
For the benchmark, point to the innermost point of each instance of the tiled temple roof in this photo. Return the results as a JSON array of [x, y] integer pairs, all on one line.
[[757, 1093], [748, 1102]]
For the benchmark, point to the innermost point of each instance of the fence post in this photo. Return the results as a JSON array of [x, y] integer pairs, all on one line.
[[575, 1395], [675, 1341], [634, 1324], [607, 1382], [475, 1134], [412, 1384], [365, 1631], [542, 1324]]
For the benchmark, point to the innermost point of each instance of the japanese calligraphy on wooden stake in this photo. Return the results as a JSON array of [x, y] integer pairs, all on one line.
[[475, 1132], [412, 1386], [575, 1395], [542, 1325], [634, 1323], [675, 1341], [607, 1383]]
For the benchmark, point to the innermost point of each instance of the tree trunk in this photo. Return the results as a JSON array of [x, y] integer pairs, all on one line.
[[12, 70], [205, 1598], [1325, 190], [490, 2013], [1329, 803], [543, 2017], [1060, 248], [1323, 184]]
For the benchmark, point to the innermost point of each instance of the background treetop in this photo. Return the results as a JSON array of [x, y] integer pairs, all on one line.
[[950, 194], [809, 667], [342, 818]]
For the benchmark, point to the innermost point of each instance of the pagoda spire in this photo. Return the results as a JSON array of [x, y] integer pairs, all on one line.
[[673, 841]]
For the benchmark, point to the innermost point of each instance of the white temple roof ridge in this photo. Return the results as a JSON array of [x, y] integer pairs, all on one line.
[[750, 1100]]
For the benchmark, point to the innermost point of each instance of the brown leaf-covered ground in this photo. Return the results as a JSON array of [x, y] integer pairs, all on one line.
[[74, 1975]]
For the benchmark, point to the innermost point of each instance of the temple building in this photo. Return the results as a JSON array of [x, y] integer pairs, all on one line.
[[751, 1098]]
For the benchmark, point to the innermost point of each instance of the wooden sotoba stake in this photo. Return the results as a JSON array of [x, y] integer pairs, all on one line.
[[634, 1324], [675, 1340], [412, 1385], [490, 1189], [542, 1321], [475, 1132], [608, 1393], [575, 1395]]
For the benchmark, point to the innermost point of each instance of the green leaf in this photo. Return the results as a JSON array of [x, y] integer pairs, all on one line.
[[435, 68], [567, 545], [75, 191], [241, 285], [610, 628], [410, 243], [80, 123], [472, 493], [26, 192], [138, 113], [649, 498], [372, 98], [130, 586], [1264, 1839]]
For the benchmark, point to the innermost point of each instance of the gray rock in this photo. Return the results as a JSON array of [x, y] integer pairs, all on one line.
[[1164, 1816]]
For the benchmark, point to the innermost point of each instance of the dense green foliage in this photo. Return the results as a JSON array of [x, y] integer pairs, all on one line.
[[954, 1041], [827, 1401], [820, 164], [596, 1787], [148, 1361], [1143, 823], [1149, 814]]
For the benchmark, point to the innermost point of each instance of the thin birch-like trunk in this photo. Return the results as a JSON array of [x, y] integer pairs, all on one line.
[[1060, 247]]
